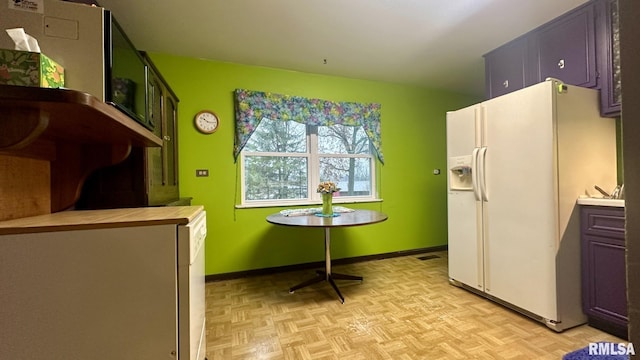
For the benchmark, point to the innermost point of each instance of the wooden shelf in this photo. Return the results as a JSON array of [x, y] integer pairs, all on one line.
[[70, 134], [65, 115]]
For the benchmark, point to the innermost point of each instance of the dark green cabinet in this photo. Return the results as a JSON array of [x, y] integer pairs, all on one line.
[[162, 163], [148, 176]]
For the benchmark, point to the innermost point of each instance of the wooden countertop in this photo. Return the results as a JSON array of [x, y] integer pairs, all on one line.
[[100, 219]]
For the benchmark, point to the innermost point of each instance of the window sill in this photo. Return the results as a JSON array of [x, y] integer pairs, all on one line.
[[306, 203]]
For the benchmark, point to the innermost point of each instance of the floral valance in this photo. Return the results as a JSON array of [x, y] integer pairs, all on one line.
[[253, 106]]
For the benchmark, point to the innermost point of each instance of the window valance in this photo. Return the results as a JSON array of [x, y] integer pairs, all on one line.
[[253, 106]]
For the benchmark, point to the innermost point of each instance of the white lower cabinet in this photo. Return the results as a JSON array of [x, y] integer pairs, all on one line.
[[107, 293]]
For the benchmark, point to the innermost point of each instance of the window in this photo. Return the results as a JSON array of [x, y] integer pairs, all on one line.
[[284, 161], [288, 144]]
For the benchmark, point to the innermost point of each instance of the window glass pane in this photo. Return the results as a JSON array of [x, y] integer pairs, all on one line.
[[275, 177], [353, 175], [278, 136], [339, 139]]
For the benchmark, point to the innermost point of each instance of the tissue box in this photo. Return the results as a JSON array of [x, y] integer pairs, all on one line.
[[29, 69]]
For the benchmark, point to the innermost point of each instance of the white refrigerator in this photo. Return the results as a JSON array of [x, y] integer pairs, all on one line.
[[516, 166]]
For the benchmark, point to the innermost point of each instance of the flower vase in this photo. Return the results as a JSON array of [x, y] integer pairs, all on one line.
[[327, 207]]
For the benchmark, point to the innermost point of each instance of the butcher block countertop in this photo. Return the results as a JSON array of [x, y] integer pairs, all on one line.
[[101, 219]]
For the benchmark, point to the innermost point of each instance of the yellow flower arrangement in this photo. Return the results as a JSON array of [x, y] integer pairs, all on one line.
[[327, 187]]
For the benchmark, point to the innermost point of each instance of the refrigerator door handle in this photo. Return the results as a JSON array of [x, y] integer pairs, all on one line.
[[474, 174], [482, 176]]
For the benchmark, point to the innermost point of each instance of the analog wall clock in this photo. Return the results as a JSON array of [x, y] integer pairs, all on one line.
[[206, 121]]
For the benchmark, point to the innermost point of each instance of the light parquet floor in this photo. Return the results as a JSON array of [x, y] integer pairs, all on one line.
[[404, 309]]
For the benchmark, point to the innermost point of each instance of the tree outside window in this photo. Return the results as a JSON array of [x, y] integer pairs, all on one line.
[[284, 159]]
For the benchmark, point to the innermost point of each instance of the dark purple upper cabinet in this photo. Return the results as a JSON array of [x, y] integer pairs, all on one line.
[[566, 48], [563, 48], [608, 47], [581, 47], [505, 68]]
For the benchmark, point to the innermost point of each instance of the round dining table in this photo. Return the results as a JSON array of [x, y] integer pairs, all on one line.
[[344, 219]]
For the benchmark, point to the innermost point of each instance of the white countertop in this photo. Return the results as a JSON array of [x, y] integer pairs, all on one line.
[[600, 202]]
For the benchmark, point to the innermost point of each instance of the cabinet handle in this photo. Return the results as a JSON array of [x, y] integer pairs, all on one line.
[[167, 137], [561, 64], [505, 84]]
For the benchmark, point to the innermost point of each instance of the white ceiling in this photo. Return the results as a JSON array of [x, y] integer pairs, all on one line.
[[429, 43]]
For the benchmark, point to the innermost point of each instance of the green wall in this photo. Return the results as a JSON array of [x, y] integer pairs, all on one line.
[[413, 140]]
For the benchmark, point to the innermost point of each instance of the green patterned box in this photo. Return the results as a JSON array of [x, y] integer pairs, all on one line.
[[29, 69]]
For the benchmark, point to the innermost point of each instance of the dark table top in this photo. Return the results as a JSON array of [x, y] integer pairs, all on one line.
[[358, 217]]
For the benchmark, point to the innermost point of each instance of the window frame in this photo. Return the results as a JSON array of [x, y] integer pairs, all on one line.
[[313, 166]]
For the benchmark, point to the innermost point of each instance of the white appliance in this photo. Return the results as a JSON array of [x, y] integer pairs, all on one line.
[[516, 166], [128, 289], [191, 288]]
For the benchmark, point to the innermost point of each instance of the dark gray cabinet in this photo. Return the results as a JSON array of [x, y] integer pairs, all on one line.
[[608, 46], [604, 289]]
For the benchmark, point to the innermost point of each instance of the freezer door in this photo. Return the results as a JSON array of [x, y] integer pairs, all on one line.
[[462, 137], [464, 212], [520, 214]]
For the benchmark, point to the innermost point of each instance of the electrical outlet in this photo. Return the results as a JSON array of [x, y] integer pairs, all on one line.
[[202, 172]]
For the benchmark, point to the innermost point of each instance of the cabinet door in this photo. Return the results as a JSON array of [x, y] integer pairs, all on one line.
[[170, 138], [155, 155], [604, 297], [505, 68], [90, 294], [608, 45], [607, 291], [566, 48], [162, 163], [154, 102]]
